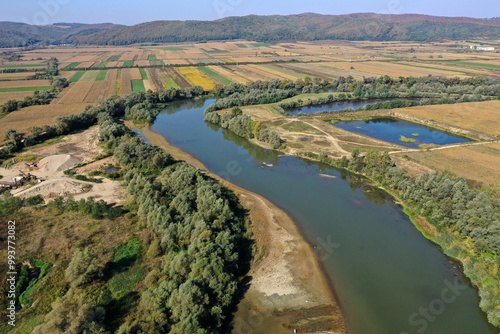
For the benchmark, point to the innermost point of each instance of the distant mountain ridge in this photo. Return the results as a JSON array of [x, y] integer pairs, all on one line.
[[13, 34], [273, 28]]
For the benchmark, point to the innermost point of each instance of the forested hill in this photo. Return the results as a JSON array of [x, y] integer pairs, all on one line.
[[20, 34], [306, 27], [303, 27]]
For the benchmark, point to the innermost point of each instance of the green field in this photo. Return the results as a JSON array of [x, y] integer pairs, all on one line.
[[242, 45], [72, 65], [144, 74], [152, 57], [24, 89], [170, 83], [435, 68], [215, 75], [23, 66], [110, 58], [101, 64], [102, 75], [129, 63], [216, 51], [466, 63], [138, 86], [78, 75], [258, 45]]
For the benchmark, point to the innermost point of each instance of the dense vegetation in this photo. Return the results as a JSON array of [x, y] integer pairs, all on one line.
[[139, 107], [302, 27], [273, 28], [197, 240], [24, 35], [243, 126]]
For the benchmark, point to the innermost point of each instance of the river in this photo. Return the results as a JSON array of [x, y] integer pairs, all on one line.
[[387, 276]]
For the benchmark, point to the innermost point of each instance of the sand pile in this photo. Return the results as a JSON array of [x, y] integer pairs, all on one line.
[[53, 188], [57, 163]]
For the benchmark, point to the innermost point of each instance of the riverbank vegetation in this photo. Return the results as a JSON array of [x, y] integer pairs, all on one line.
[[467, 220], [244, 126], [403, 92], [184, 245]]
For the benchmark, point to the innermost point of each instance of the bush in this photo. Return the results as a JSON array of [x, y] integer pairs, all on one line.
[[34, 200], [83, 268]]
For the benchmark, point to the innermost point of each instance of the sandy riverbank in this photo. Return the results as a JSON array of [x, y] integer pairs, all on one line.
[[288, 289]]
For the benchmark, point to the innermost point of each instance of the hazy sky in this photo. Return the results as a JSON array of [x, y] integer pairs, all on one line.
[[136, 11]]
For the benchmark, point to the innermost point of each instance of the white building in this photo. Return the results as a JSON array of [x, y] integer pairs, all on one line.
[[482, 48]]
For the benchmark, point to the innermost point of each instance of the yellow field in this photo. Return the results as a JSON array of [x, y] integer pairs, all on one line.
[[196, 77], [477, 116]]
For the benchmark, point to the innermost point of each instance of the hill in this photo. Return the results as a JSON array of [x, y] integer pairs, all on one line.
[[364, 26], [20, 34], [275, 28]]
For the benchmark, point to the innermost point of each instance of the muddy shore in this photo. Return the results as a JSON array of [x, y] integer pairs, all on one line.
[[287, 288]]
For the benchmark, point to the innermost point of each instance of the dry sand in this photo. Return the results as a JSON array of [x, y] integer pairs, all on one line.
[[288, 289], [56, 158]]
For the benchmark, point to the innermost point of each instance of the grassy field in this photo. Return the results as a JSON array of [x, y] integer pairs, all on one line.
[[144, 74], [102, 75], [72, 66], [128, 63], [258, 45], [24, 89], [152, 57], [215, 75], [466, 63], [138, 86], [22, 66], [78, 75]]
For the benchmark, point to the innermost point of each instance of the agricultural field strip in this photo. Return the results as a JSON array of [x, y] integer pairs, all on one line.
[[24, 84], [24, 89], [77, 76], [215, 75], [138, 86], [229, 74], [102, 75], [196, 77]]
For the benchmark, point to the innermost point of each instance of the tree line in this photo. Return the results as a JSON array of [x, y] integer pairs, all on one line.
[[243, 126], [457, 210]]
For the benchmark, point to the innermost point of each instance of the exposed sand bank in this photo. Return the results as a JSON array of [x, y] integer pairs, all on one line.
[[288, 289]]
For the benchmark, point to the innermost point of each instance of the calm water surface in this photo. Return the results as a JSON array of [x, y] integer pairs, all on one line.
[[388, 278], [391, 130]]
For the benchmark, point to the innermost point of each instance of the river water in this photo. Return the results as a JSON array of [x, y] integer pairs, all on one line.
[[387, 276]]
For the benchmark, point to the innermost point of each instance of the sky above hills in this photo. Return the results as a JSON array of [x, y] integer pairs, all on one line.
[[133, 12]]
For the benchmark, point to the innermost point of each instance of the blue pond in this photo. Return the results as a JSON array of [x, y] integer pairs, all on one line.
[[391, 130]]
